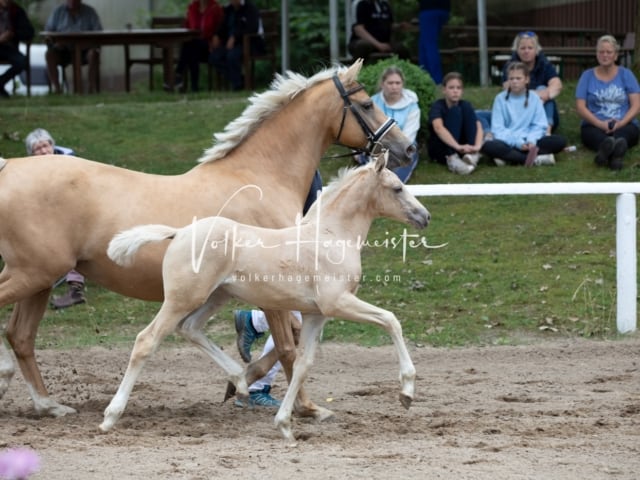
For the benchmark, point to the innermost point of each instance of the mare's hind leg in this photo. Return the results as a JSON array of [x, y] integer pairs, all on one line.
[[192, 329], [21, 334], [311, 328], [146, 343], [281, 329]]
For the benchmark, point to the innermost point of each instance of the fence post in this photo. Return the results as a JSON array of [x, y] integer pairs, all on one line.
[[626, 258]]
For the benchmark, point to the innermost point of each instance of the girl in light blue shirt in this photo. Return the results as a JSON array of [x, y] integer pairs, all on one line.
[[519, 125]]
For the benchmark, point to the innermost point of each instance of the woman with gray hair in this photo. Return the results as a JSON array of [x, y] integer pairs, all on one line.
[[608, 101], [40, 142]]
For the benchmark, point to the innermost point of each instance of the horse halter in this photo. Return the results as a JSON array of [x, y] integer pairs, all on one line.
[[372, 137]]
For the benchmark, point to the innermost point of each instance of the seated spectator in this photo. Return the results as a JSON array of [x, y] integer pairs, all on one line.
[[372, 29], [206, 16], [240, 17], [14, 28], [454, 130], [608, 101], [543, 78], [39, 142], [72, 16], [519, 125], [401, 104]]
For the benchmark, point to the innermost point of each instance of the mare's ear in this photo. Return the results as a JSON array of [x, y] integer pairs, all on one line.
[[381, 160]]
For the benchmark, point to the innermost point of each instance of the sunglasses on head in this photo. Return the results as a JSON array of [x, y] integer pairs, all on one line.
[[527, 34]]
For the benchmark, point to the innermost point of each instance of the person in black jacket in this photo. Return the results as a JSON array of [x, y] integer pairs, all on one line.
[[240, 17], [15, 27]]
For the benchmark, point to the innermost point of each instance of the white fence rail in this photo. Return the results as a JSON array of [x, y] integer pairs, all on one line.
[[626, 246]]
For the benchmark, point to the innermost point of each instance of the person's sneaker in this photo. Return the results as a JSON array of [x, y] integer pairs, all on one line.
[[74, 296], [499, 162], [605, 151], [531, 156], [456, 165], [246, 333], [547, 159], [471, 159], [261, 398], [619, 149]]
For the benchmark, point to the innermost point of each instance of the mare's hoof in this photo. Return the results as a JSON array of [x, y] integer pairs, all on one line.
[[231, 392]]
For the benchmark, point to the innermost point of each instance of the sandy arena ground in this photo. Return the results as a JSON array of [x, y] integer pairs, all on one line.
[[558, 410]]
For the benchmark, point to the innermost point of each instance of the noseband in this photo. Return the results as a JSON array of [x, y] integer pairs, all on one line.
[[372, 137]]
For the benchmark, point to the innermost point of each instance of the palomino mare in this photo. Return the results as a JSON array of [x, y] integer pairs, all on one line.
[[60, 212], [313, 267]]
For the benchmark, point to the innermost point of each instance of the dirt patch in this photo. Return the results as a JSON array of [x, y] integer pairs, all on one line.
[[557, 410]]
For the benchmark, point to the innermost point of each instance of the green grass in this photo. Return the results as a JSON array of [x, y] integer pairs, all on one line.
[[508, 269]]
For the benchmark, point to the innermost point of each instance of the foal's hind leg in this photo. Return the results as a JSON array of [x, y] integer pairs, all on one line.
[[146, 343], [192, 329]]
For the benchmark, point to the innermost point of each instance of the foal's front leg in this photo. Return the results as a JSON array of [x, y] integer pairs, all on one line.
[[351, 307], [311, 328], [281, 329]]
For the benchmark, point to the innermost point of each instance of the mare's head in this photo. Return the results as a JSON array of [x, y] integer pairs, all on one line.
[[363, 125], [375, 190], [341, 111]]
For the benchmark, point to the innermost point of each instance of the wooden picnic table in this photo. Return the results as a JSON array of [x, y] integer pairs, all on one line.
[[165, 38]]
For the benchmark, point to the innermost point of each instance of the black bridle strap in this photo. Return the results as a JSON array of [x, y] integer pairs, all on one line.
[[372, 137]]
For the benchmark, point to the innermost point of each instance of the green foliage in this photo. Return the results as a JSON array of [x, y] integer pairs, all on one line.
[[416, 79]]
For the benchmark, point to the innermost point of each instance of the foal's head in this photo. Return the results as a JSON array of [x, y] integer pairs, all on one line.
[[376, 190], [388, 197]]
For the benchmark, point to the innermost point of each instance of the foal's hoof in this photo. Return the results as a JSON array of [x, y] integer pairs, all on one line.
[[405, 400]]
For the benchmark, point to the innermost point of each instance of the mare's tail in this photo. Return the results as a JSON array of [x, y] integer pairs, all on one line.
[[124, 245]]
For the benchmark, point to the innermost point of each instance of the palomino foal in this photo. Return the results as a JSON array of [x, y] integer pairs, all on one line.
[[313, 267]]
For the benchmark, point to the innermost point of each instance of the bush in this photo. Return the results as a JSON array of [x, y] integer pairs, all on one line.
[[416, 79]]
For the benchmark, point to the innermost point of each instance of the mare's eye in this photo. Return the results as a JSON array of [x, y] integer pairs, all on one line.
[[368, 105]]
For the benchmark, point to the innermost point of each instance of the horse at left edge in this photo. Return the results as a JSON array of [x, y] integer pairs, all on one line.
[[59, 213]]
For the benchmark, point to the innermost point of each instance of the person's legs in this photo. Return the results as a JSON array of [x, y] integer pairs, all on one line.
[[360, 49], [499, 149], [484, 117], [551, 144], [253, 325], [217, 58], [234, 68], [75, 292], [17, 61], [625, 138], [431, 23], [55, 56]]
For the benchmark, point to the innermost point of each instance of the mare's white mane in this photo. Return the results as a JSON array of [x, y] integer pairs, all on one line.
[[283, 89]]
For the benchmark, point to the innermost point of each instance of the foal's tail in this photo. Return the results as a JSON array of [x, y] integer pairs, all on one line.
[[125, 244]]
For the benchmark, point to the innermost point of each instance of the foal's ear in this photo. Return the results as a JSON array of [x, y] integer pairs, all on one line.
[[381, 161]]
